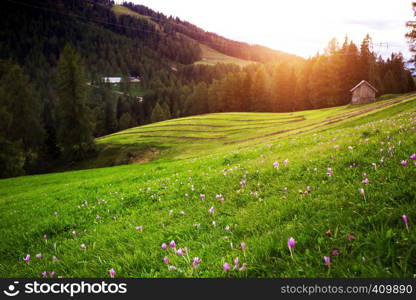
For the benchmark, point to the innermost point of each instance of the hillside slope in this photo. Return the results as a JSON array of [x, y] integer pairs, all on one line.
[[215, 133], [210, 56], [229, 200]]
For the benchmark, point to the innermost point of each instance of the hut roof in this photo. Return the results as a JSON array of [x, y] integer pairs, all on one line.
[[366, 83]]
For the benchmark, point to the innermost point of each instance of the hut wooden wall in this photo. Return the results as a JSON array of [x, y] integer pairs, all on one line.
[[363, 94]]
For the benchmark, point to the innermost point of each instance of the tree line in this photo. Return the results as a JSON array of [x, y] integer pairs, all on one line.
[[324, 80]]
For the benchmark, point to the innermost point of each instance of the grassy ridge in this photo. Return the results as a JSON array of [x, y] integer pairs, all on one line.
[[216, 133], [263, 206], [212, 57], [122, 10]]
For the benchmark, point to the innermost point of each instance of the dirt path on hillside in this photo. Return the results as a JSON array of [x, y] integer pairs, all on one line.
[[265, 125], [251, 120], [183, 137], [212, 125], [325, 123]]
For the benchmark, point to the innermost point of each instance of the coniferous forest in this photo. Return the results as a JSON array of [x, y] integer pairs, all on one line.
[[54, 54]]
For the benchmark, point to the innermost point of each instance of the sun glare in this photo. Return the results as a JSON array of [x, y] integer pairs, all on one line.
[[301, 27]]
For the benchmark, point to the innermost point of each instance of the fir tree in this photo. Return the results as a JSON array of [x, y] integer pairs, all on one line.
[[21, 129], [158, 114], [75, 127], [126, 121]]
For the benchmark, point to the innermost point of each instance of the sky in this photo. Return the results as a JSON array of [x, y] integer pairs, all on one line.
[[301, 27]]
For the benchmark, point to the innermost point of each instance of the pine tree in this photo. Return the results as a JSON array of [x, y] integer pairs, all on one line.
[[20, 127], [166, 111], [111, 124], [157, 114], [260, 92], [75, 128], [367, 59], [126, 121]]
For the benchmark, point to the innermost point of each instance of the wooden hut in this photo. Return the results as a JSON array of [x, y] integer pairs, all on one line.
[[363, 93]]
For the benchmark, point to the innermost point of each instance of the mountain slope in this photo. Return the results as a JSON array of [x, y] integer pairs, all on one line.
[[209, 55], [231, 203], [223, 45]]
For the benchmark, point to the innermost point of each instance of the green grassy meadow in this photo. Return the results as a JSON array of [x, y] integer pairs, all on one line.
[[122, 10], [211, 184], [213, 57]]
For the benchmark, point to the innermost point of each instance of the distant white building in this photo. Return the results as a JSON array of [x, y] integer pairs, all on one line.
[[119, 79], [112, 79], [134, 79]]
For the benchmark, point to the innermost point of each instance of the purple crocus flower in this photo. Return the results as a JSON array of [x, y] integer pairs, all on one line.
[[27, 258], [54, 259], [243, 245], [139, 228], [406, 222], [243, 268], [351, 238], [212, 210], [286, 162], [335, 252], [276, 164], [172, 244], [39, 255], [83, 246], [202, 196], [365, 181], [44, 274], [166, 260], [52, 274], [196, 262], [327, 260], [236, 263], [291, 243], [329, 172], [112, 273], [413, 156], [180, 252], [226, 267], [164, 246], [404, 163]]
